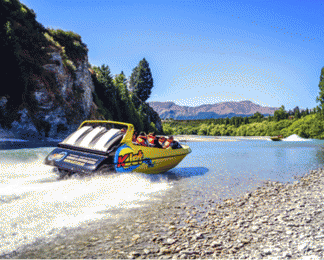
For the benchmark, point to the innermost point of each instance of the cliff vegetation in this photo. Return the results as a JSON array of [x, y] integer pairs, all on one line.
[[50, 87]]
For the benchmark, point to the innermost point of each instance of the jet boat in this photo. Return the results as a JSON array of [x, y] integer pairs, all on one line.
[[103, 146], [276, 138]]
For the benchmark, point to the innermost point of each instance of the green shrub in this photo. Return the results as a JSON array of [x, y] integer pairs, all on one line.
[[75, 49], [308, 126]]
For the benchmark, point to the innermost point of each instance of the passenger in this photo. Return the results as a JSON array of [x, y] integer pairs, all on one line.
[[151, 139], [134, 137], [142, 139], [168, 143], [161, 141], [157, 143], [123, 130]]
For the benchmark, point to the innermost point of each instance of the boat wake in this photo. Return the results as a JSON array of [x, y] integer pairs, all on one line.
[[34, 204], [295, 138]]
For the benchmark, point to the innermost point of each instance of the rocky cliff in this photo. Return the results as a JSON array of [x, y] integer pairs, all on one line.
[[56, 113], [218, 110], [52, 86]]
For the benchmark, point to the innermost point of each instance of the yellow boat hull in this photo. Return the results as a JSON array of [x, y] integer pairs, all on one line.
[[135, 158], [101, 148]]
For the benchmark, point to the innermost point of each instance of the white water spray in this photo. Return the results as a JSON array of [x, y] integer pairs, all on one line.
[[33, 204], [295, 138]]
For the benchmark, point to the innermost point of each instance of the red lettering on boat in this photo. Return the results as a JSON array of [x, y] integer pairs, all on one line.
[[121, 160]]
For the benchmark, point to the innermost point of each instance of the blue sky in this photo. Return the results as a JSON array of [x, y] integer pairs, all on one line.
[[204, 52]]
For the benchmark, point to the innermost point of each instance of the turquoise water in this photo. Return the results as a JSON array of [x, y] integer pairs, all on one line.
[[34, 204], [233, 168]]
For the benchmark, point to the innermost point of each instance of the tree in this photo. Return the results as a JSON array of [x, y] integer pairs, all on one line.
[[280, 114], [258, 116], [320, 97], [318, 110], [125, 103], [297, 112], [104, 76], [141, 81], [106, 98]]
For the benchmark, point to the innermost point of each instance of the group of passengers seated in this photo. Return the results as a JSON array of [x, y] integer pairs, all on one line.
[[151, 140]]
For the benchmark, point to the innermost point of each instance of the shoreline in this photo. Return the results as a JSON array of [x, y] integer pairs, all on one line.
[[180, 138], [195, 138], [274, 220]]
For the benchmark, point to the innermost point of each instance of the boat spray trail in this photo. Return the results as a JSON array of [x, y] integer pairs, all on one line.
[[34, 204]]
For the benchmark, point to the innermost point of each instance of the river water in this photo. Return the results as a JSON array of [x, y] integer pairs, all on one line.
[[34, 204]]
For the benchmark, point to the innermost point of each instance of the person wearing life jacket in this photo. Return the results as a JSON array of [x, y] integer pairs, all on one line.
[[161, 141], [142, 139], [169, 142], [134, 137], [151, 139]]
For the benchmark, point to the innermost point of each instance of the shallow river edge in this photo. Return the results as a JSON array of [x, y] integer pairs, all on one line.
[[275, 220]]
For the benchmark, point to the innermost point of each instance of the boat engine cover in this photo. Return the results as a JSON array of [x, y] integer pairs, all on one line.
[[74, 160]]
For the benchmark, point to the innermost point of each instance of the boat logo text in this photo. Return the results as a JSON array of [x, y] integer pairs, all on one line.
[[130, 159]]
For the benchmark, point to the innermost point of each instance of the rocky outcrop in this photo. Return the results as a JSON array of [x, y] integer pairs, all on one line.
[[59, 108], [218, 110], [52, 87], [62, 101]]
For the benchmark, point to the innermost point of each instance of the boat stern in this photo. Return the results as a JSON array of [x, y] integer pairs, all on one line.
[[74, 161]]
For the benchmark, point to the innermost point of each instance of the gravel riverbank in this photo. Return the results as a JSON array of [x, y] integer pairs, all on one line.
[[275, 220]]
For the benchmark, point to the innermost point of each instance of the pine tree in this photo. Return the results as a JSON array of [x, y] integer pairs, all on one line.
[[122, 97], [126, 106], [297, 114], [106, 92], [320, 97], [141, 81]]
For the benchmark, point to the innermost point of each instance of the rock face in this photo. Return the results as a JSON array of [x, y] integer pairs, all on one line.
[[218, 110], [51, 86], [59, 107], [61, 111]]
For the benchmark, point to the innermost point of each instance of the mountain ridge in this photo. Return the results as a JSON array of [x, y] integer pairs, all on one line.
[[206, 111]]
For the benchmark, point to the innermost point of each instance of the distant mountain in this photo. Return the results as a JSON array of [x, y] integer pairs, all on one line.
[[218, 110]]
